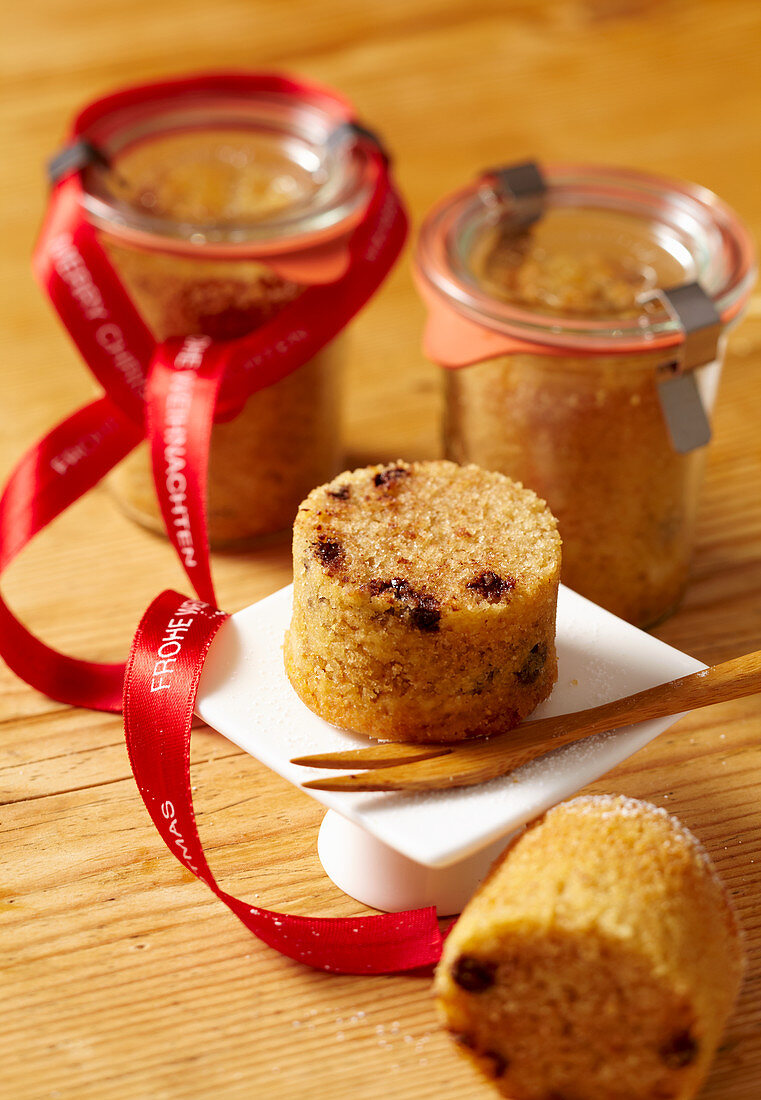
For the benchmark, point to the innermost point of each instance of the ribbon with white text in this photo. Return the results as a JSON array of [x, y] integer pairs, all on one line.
[[160, 688], [171, 393]]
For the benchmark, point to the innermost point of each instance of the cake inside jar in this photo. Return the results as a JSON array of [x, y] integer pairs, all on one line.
[[543, 306], [201, 187], [585, 431], [215, 178], [575, 264], [207, 186]]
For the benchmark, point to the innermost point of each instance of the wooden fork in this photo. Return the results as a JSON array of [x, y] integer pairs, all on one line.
[[410, 767]]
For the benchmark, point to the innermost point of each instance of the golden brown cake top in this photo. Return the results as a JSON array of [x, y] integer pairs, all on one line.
[[615, 838], [585, 282], [435, 534]]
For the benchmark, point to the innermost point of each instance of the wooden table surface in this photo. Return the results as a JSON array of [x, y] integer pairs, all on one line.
[[122, 976]]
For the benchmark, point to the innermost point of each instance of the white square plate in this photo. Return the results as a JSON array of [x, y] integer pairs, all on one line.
[[245, 695]]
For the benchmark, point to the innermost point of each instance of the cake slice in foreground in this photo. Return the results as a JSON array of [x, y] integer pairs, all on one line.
[[599, 960]]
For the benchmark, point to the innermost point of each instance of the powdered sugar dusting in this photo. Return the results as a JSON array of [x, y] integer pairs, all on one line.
[[608, 807]]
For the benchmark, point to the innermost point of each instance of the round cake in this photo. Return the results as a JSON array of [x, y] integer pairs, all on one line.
[[424, 602], [599, 960]]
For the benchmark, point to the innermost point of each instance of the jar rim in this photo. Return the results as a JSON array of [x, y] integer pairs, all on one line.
[[305, 126], [723, 255]]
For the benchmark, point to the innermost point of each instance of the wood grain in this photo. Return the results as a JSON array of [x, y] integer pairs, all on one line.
[[122, 977]]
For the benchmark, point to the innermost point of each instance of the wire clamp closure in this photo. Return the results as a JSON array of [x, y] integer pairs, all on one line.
[[73, 158], [354, 133], [678, 390], [521, 187]]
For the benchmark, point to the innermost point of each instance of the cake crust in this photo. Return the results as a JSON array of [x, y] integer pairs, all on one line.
[[598, 961], [424, 602]]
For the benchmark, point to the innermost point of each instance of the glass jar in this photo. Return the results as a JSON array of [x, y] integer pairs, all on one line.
[[547, 309], [217, 208]]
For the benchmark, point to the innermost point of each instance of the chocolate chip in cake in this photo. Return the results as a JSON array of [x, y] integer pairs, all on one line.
[[389, 475], [498, 1065], [491, 587], [532, 668], [680, 1051], [341, 493], [421, 610], [474, 975], [402, 589], [329, 553], [484, 683], [464, 1040], [377, 587], [426, 616]]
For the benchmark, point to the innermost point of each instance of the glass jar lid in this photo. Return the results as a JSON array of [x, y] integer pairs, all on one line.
[[235, 171], [578, 263]]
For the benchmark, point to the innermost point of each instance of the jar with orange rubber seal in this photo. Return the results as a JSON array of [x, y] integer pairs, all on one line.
[[218, 207], [580, 314]]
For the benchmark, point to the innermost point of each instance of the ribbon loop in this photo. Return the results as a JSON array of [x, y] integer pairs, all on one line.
[[172, 392], [160, 687], [55, 472]]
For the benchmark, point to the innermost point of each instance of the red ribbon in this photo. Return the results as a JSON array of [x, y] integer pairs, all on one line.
[[180, 406], [160, 687], [54, 473], [171, 393]]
